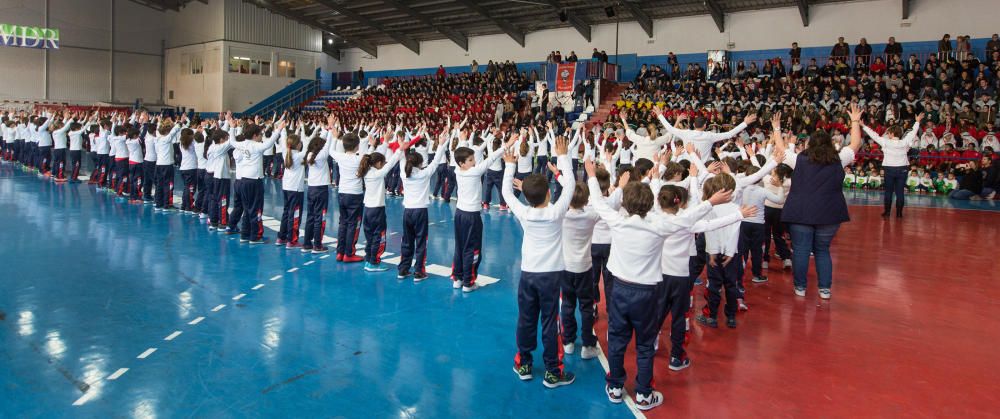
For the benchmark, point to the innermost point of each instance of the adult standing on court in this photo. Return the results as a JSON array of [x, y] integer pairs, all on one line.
[[895, 161], [816, 206]]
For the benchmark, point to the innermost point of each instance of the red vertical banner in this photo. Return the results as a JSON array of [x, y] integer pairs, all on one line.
[[565, 76]]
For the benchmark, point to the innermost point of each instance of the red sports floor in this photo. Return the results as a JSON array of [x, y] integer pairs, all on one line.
[[912, 330]]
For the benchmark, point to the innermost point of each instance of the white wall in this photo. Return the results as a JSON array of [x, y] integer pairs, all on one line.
[[241, 91], [81, 69], [196, 23], [202, 92], [754, 30], [248, 23]]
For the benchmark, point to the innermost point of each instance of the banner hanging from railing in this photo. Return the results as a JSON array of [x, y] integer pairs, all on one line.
[[565, 77], [28, 36]]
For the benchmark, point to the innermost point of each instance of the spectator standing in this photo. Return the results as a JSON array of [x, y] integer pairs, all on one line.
[[361, 76], [795, 53], [893, 48], [841, 50], [944, 47], [863, 52]]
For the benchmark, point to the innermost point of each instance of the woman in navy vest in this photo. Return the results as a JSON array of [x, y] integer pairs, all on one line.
[[815, 206]]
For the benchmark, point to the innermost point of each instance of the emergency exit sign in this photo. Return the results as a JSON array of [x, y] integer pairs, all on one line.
[[28, 36]]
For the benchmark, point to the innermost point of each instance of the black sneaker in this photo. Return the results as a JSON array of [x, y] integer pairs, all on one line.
[[707, 321], [731, 322], [419, 276], [523, 372], [759, 279], [552, 380], [677, 364], [403, 273]]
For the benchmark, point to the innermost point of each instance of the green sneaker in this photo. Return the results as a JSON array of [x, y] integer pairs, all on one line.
[[523, 372], [553, 381]]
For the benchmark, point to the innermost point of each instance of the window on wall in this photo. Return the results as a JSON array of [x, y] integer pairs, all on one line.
[[239, 65], [244, 65], [197, 64], [286, 69]]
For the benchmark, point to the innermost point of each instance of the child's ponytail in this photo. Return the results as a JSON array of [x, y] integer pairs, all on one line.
[[413, 160], [364, 165]]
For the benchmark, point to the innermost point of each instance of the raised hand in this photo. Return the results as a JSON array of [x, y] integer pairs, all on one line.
[[590, 168], [721, 197]]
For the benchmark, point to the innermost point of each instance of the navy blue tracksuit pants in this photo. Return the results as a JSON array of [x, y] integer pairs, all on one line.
[[450, 183], [374, 223], [236, 215], [578, 287], [494, 178], [751, 246], [538, 300], [291, 217], [135, 181], [318, 200], [351, 210], [468, 244], [675, 300], [59, 163], [439, 179], [76, 158], [414, 246], [164, 186], [190, 178], [630, 311], [723, 277], [200, 196], [148, 179], [599, 254], [251, 196]]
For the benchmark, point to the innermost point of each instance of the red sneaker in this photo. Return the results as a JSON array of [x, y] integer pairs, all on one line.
[[340, 257], [353, 259], [504, 208]]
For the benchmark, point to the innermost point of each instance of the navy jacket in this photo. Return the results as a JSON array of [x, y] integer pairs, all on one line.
[[816, 196]]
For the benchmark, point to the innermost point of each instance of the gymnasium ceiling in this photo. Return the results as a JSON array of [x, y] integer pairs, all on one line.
[[368, 23]]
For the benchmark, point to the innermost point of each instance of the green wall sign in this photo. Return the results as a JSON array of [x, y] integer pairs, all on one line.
[[28, 36]]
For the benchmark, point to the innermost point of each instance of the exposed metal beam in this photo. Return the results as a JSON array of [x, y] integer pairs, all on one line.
[[364, 45], [803, 11], [516, 34], [640, 16], [716, 11], [575, 21], [408, 42], [457, 37], [906, 9]]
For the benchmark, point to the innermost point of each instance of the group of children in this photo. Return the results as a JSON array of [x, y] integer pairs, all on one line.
[[919, 180], [647, 226]]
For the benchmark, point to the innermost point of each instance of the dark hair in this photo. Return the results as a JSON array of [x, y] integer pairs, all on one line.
[[187, 136], [165, 129], [368, 161], [413, 160], [637, 199], [783, 171], [462, 154], [350, 141], [535, 188], [120, 130], [672, 197], [672, 170], [132, 133], [720, 182], [315, 146], [581, 195], [603, 179], [75, 126], [293, 141], [821, 150], [641, 168], [199, 137], [251, 131]]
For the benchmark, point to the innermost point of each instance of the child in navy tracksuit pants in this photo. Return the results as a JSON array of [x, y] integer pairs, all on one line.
[[542, 270], [350, 196], [292, 186], [373, 169], [468, 222], [416, 182]]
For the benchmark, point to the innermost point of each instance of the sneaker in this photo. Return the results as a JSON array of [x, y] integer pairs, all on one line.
[[261, 240], [471, 288], [589, 352], [403, 273], [292, 245], [698, 281], [352, 259], [569, 348], [759, 279], [486, 207], [504, 208], [202, 216], [456, 284], [280, 242], [677, 364], [786, 264], [801, 292], [731, 322], [340, 257], [242, 240], [763, 265], [523, 372], [230, 231], [824, 293], [375, 268], [648, 401], [614, 394], [320, 249], [742, 305], [211, 228], [307, 249], [419, 276], [707, 321], [552, 380]]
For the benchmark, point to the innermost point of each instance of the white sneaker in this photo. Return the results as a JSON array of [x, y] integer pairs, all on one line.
[[589, 352], [648, 402], [614, 394], [787, 264], [763, 265], [569, 348], [470, 289], [824, 293], [801, 292], [456, 284]]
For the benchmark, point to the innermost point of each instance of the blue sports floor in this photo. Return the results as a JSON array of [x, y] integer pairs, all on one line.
[[111, 310]]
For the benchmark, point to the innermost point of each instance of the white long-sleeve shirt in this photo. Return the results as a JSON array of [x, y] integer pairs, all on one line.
[[293, 178], [782, 190], [676, 253], [645, 147], [250, 164], [756, 196], [375, 181], [602, 233], [134, 150], [418, 183], [165, 147], [189, 157], [702, 140], [578, 234], [218, 160], [894, 151], [724, 240], [60, 137], [319, 170], [470, 184], [75, 140], [542, 246]]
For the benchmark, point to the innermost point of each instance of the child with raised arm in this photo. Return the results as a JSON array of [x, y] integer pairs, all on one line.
[[416, 183], [542, 266], [293, 188], [373, 168]]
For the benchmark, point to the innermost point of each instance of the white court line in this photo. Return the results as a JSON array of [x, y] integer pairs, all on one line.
[[196, 320], [172, 336], [146, 354], [85, 398], [309, 262], [257, 287], [324, 256], [293, 270], [117, 374], [628, 398], [238, 296], [218, 307], [276, 277]]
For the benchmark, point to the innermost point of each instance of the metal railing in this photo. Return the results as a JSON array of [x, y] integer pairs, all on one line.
[[290, 100]]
